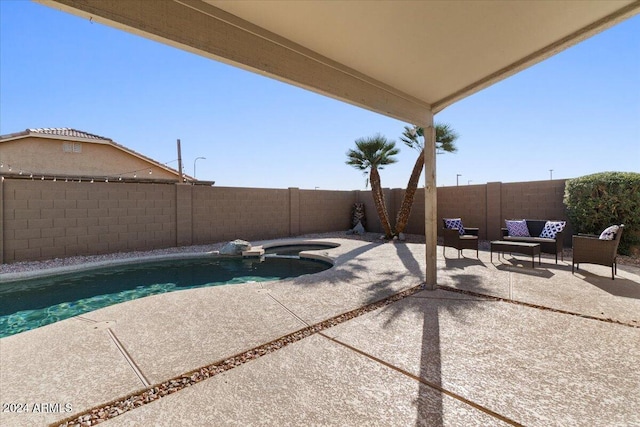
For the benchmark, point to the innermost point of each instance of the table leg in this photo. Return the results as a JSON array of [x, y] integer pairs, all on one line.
[[533, 260]]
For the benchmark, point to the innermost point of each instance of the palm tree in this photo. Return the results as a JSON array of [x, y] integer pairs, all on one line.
[[414, 138], [373, 153]]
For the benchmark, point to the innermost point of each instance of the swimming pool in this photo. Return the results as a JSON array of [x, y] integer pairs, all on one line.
[[29, 304]]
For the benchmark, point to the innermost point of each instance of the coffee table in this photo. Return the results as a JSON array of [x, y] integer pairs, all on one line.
[[502, 246]]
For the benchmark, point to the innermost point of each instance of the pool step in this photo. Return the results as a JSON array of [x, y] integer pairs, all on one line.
[[253, 252]]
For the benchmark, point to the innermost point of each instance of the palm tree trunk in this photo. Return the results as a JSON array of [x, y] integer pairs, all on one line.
[[407, 201], [378, 200]]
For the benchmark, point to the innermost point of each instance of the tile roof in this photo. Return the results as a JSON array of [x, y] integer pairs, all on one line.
[[67, 132]]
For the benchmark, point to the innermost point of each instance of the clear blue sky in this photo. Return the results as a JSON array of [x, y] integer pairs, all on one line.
[[576, 113]]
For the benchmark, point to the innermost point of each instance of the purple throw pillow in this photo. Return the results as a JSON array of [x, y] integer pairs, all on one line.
[[517, 228]]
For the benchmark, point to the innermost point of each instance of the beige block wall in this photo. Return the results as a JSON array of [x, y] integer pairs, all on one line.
[[184, 215], [226, 213], [294, 211], [46, 219], [322, 210], [533, 200], [44, 156], [468, 202], [494, 221]]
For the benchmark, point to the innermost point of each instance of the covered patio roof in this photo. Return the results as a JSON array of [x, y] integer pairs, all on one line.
[[398, 58], [404, 59]]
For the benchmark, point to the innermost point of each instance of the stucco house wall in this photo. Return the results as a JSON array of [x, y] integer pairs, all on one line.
[[57, 157]]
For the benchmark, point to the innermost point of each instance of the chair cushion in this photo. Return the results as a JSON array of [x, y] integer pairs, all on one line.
[[454, 224], [609, 233], [517, 228], [551, 228]]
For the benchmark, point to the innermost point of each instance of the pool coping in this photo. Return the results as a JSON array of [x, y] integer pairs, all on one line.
[[309, 254], [76, 268], [90, 265]]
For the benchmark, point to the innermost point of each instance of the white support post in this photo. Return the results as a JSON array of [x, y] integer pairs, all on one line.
[[430, 204]]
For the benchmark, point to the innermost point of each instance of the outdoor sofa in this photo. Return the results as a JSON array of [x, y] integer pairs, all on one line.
[[549, 234]]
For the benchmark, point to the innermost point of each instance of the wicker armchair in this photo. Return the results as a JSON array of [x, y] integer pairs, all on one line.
[[592, 250], [453, 239]]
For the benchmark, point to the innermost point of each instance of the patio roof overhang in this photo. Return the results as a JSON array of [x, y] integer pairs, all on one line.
[[404, 59]]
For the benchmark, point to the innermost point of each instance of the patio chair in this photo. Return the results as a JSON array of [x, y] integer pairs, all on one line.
[[459, 237], [594, 249]]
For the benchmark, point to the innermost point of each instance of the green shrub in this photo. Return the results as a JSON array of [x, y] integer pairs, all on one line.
[[597, 201]]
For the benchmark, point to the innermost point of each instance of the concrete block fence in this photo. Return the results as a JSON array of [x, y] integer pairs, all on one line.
[[53, 219]]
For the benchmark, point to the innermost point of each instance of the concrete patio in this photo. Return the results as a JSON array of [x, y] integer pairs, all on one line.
[[496, 344]]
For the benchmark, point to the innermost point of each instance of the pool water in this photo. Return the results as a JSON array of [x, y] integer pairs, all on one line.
[[29, 304]]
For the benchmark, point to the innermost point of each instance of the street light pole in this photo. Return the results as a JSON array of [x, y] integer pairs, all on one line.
[[194, 164], [458, 175], [551, 174]]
